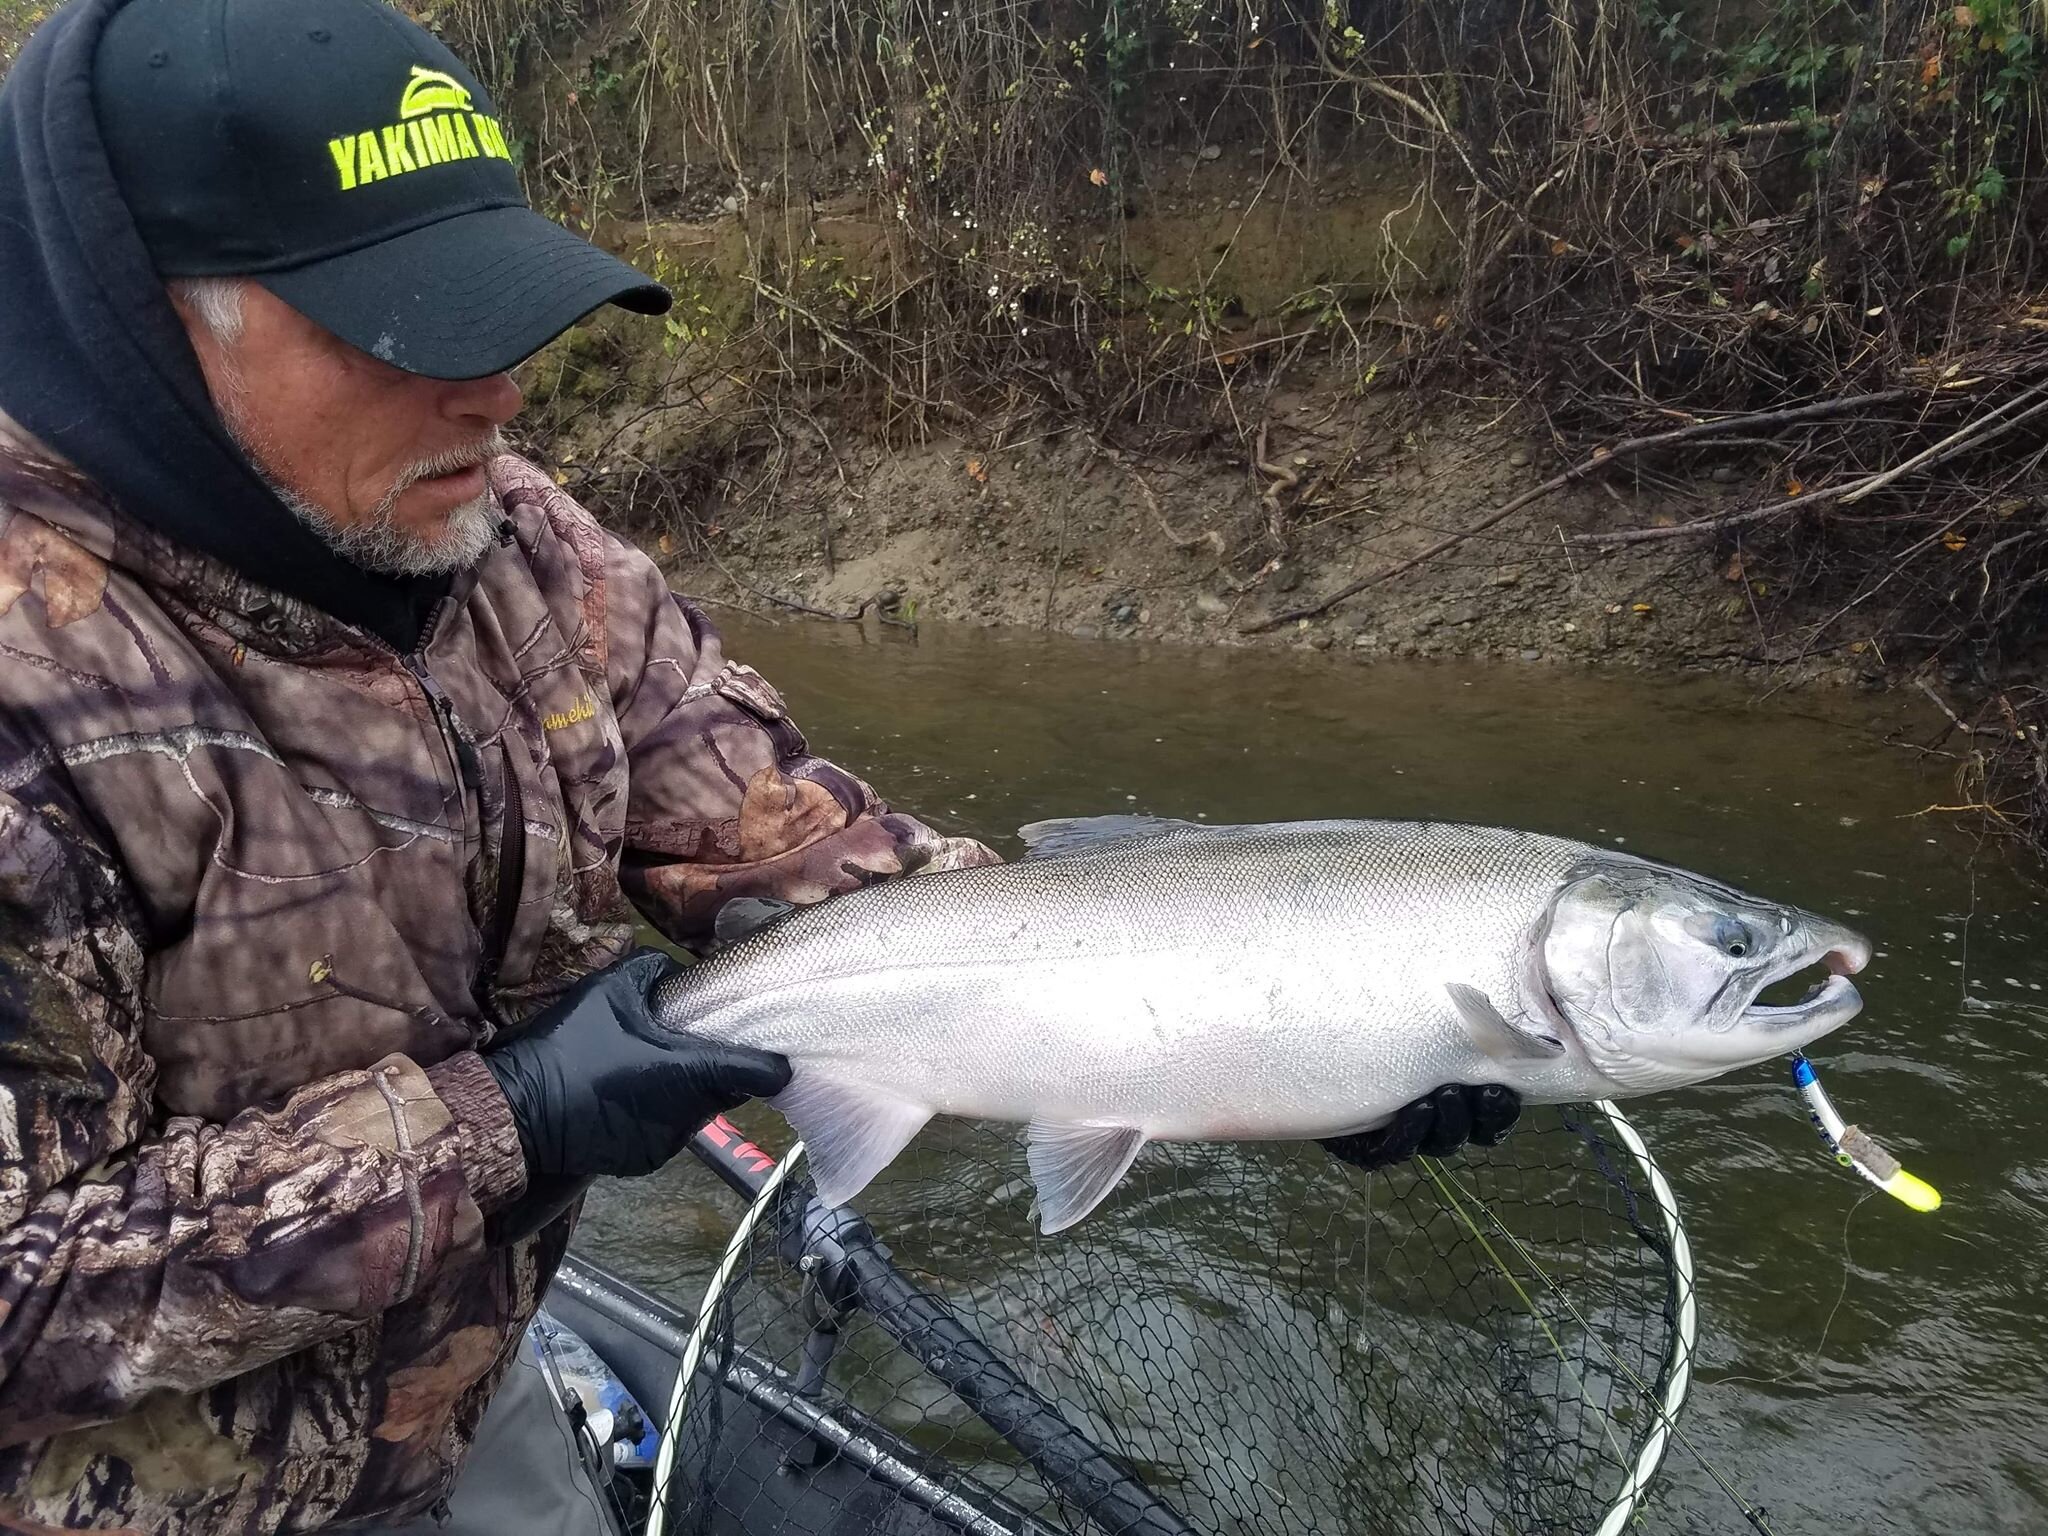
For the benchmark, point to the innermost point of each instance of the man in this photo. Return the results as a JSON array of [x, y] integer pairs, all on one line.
[[337, 748]]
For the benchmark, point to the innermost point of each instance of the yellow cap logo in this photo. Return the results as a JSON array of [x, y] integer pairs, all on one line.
[[431, 91], [437, 123]]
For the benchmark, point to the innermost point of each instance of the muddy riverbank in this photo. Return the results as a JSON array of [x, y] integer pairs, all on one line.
[[1053, 528]]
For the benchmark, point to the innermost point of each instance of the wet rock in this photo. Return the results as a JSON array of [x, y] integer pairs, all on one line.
[[1323, 642], [1532, 655]]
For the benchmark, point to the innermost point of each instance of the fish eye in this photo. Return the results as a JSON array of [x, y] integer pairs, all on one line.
[[1730, 936]]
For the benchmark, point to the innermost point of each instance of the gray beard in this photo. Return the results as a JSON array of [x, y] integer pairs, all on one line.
[[377, 543]]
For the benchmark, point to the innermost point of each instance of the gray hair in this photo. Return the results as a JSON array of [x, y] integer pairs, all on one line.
[[217, 301]]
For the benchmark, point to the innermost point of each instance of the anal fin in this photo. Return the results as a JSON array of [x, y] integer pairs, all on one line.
[[1076, 1166], [850, 1133]]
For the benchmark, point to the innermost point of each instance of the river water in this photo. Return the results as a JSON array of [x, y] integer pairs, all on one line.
[[1874, 1371]]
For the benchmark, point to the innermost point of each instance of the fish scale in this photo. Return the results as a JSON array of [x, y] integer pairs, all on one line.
[[1136, 980]]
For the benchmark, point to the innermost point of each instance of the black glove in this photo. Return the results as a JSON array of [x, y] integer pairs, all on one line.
[[597, 1088], [1437, 1124]]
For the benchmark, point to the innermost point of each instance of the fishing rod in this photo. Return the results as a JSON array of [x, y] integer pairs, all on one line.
[[841, 1432], [840, 1253]]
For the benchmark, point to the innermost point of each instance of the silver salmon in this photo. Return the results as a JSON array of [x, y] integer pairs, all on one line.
[[1133, 980]]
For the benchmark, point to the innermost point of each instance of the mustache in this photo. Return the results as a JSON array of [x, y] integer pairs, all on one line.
[[446, 463]]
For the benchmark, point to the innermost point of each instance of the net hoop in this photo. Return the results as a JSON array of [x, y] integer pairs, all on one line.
[[693, 1355], [1685, 1329], [1676, 1375]]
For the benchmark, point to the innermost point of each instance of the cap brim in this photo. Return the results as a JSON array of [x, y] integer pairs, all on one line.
[[468, 296]]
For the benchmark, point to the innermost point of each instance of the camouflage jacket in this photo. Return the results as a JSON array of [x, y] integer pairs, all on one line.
[[266, 887]]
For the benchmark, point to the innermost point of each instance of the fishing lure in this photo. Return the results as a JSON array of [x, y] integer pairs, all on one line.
[[1855, 1149]]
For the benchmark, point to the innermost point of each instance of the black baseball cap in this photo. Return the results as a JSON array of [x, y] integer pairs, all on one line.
[[337, 153]]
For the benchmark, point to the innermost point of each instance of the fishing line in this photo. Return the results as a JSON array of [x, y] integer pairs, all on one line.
[[1754, 1516], [1820, 1344], [1450, 1192]]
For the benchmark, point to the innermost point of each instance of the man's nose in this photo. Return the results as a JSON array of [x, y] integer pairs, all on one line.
[[491, 401]]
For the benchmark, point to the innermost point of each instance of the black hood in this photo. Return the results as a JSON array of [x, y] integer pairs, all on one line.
[[94, 361]]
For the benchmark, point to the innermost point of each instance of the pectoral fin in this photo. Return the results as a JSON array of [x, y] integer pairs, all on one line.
[[1076, 1166], [850, 1133], [1494, 1035]]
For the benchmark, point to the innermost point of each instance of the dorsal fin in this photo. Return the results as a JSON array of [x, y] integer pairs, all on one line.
[[1065, 837], [747, 914]]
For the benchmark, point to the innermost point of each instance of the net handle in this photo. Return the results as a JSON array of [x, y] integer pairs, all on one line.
[[924, 1328], [1678, 1363]]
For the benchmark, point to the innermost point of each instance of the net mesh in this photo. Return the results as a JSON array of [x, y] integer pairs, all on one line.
[[1273, 1342]]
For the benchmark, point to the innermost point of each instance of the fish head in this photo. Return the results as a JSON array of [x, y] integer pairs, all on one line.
[[1656, 973]]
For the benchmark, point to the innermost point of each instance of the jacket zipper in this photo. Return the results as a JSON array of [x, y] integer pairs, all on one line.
[[511, 876], [511, 861]]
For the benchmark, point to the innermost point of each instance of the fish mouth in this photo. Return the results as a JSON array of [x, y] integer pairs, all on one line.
[[1830, 1002], [1762, 1030]]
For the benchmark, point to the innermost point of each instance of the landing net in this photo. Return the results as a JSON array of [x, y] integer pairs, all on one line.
[[1269, 1341]]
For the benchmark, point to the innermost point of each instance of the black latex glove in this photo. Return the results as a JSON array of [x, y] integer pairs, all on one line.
[[1436, 1124], [597, 1088]]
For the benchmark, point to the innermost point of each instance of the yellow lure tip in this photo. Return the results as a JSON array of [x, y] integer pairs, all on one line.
[[1913, 1191]]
